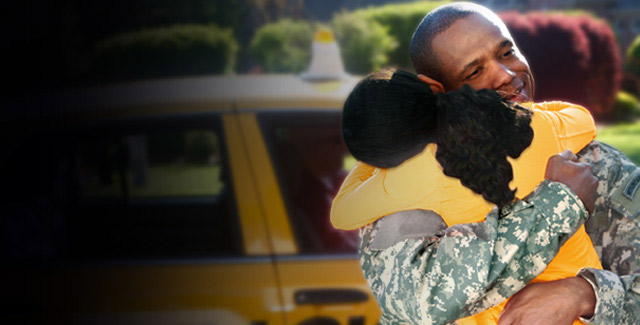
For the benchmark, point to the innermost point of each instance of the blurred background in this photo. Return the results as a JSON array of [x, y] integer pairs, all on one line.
[[581, 51], [175, 161]]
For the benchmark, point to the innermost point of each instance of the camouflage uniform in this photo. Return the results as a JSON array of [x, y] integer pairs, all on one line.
[[468, 268], [615, 232]]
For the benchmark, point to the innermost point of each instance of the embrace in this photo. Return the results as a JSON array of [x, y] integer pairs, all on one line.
[[477, 206]]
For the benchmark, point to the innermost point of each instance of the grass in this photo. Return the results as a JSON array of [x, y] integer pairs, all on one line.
[[625, 137]]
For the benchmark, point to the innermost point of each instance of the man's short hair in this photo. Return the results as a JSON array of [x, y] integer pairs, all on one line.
[[423, 57]]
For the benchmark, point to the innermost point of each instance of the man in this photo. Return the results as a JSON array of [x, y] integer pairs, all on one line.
[[467, 44], [476, 49]]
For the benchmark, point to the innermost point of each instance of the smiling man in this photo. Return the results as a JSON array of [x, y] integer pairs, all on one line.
[[468, 44], [463, 43]]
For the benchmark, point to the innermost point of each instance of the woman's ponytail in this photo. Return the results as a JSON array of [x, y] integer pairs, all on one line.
[[388, 118]]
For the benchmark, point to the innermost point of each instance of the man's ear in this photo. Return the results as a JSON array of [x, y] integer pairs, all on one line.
[[435, 85]]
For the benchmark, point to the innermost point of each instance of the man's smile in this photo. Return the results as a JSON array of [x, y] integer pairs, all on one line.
[[517, 93]]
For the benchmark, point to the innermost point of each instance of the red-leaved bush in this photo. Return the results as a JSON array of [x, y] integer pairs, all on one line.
[[573, 58]]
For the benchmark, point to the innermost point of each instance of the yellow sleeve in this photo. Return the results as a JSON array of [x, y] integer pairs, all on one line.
[[347, 199], [557, 126], [369, 193], [358, 174], [573, 124]]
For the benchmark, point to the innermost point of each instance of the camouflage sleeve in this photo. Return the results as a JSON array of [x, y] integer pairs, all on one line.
[[468, 268], [614, 229], [618, 297]]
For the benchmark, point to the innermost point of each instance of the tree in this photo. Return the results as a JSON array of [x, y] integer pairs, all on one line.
[[573, 58]]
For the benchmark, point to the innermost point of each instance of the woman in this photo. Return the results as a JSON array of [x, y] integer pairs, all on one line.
[[393, 121]]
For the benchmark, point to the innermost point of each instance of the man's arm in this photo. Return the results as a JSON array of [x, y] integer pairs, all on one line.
[[614, 229], [471, 267], [567, 298]]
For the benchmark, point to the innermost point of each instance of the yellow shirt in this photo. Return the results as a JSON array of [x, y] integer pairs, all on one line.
[[369, 193]]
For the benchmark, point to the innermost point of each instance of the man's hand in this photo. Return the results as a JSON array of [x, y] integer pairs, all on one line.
[[565, 168], [556, 302]]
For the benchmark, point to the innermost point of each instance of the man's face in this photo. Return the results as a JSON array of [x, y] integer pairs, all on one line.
[[481, 53]]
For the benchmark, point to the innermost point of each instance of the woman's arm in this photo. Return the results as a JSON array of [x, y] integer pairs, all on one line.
[[469, 268]]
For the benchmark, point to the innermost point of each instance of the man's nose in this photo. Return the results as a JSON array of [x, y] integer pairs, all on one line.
[[504, 76]]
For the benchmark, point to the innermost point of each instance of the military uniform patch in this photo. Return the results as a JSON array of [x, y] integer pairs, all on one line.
[[625, 198], [632, 186]]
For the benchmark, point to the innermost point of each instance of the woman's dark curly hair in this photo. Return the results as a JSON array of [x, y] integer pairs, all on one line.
[[390, 117]]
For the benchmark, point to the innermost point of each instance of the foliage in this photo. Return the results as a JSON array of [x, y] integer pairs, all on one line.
[[56, 39], [573, 58], [364, 44], [630, 83], [626, 107], [401, 21], [632, 63], [373, 37], [166, 51], [605, 74], [103, 19], [283, 46]]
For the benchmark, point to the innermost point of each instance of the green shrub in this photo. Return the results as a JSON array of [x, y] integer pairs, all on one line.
[[401, 21], [626, 107], [283, 46], [633, 57], [364, 44], [167, 51], [630, 83], [369, 38]]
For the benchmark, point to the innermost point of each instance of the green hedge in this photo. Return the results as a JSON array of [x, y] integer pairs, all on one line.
[[283, 46], [167, 51], [626, 107], [633, 57], [369, 38], [401, 21], [364, 45]]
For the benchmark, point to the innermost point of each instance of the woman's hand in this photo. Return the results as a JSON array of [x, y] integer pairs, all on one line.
[[565, 168]]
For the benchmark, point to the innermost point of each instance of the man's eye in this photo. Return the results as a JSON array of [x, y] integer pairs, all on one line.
[[474, 74], [508, 54]]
